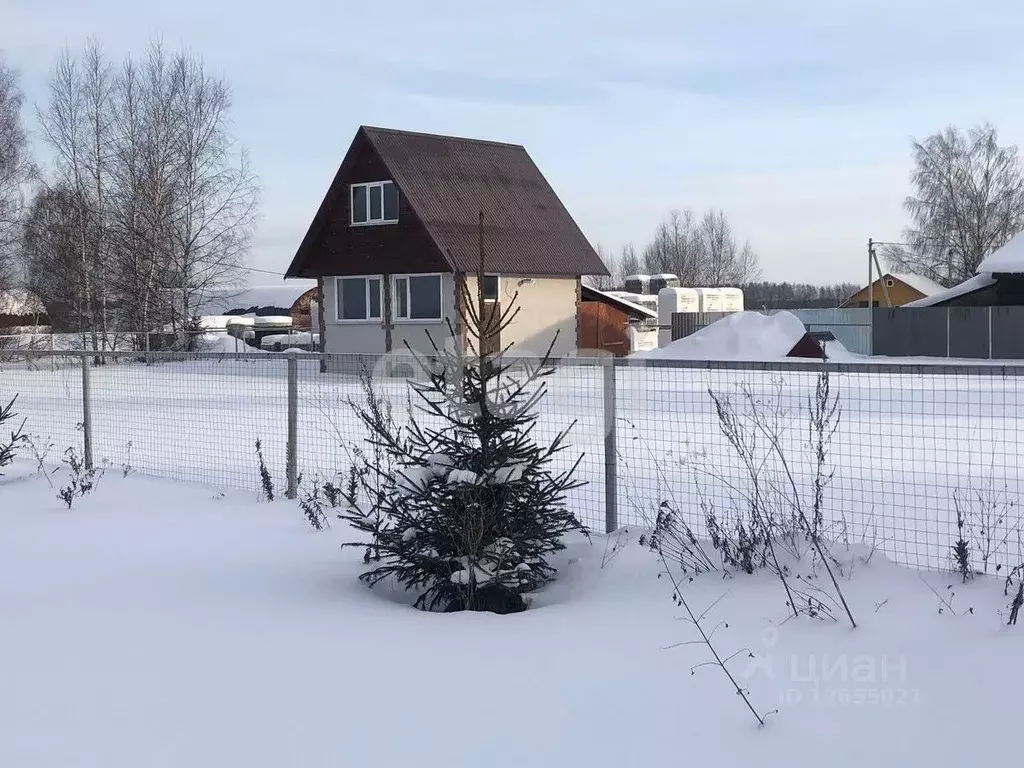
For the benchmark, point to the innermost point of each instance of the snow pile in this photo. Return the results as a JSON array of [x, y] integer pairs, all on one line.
[[738, 336]]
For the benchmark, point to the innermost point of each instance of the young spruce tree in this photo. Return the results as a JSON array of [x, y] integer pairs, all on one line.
[[466, 510], [7, 446]]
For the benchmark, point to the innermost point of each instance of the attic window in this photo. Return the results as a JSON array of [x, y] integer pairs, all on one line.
[[374, 202], [889, 282]]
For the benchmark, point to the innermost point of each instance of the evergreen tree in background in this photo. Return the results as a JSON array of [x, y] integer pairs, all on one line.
[[467, 510]]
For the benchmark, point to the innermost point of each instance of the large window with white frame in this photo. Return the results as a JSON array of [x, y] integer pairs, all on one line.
[[417, 297], [358, 298], [374, 202]]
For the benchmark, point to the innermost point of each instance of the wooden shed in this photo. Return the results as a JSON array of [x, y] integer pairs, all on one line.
[[604, 321]]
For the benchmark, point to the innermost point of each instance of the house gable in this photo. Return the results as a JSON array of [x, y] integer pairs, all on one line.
[[333, 247], [902, 289], [444, 183]]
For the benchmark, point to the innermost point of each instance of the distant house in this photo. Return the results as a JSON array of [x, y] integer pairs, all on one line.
[[399, 229], [902, 289]]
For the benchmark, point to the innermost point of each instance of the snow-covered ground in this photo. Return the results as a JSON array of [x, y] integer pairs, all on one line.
[[906, 442], [166, 625]]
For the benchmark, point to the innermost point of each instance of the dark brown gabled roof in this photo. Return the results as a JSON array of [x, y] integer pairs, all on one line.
[[447, 181]]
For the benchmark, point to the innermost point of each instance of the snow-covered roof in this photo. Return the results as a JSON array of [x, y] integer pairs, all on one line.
[[282, 295], [1008, 259], [919, 283], [975, 283], [19, 301], [615, 298]]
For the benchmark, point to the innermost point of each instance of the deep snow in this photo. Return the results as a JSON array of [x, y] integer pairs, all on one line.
[[166, 625]]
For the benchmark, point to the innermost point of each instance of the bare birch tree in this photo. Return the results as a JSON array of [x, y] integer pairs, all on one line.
[[65, 128], [701, 252], [161, 201], [97, 90], [215, 192], [16, 170], [723, 260], [604, 282], [968, 200], [629, 263], [675, 247]]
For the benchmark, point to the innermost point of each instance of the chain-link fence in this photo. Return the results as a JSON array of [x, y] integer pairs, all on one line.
[[886, 454]]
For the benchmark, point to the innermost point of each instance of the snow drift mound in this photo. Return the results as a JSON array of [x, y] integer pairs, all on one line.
[[739, 336]]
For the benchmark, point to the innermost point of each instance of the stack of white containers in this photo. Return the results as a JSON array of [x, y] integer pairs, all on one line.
[[672, 300]]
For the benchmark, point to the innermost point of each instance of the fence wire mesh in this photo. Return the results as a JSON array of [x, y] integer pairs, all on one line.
[[905, 448]]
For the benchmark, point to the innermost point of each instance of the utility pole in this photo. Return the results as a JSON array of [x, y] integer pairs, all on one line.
[[874, 265], [871, 271]]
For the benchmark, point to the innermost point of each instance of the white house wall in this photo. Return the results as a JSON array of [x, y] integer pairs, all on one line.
[[547, 306]]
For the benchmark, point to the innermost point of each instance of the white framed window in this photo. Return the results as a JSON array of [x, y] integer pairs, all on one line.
[[374, 202], [492, 283], [417, 297], [358, 299]]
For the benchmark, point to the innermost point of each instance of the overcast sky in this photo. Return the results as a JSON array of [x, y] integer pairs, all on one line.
[[794, 116]]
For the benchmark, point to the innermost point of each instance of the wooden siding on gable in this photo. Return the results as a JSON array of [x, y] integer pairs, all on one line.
[[341, 249], [444, 185]]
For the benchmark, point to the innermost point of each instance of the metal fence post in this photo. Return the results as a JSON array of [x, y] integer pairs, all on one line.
[[611, 512], [989, 333], [292, 449], [86, 413]]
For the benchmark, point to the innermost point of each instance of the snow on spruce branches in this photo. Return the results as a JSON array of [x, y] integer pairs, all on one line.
[[466, 510]]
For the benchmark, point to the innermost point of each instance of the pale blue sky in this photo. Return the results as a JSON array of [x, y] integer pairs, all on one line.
[[792, 115]]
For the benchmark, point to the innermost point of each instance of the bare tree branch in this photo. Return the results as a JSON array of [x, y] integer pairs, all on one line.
[[968, 201]]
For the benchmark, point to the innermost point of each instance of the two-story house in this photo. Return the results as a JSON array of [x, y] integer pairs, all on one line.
[[400, 227]]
